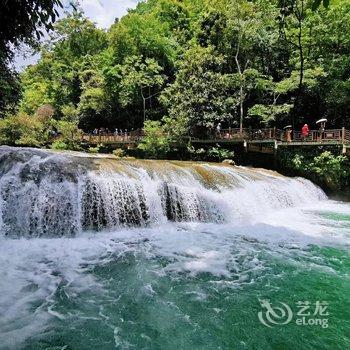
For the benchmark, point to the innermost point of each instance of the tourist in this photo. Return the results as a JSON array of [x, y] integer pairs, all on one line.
[[321, 131], [289, 135], [218, 129], [259, 134], [304, 132]]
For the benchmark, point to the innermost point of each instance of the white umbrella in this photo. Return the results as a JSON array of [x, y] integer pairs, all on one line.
[[321, 121]]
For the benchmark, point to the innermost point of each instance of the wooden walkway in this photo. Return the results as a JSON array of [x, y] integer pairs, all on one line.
[[235, 136], [257, 139]]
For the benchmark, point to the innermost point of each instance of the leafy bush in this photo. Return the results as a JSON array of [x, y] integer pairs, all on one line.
[[94, 149], [218, 154], [155, 143], [22, 130], [196, 153], [59, 145], [326, 168], [335, 170], [69, 134], [38, 130], [118, 152]]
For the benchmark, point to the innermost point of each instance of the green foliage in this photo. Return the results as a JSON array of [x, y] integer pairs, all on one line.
[[239, 62], [326, 168], [10, 88], [155, 143], [202, 94], [176, 130], [94, 149], [217, 153], [118, 152], [22, 130], [20, 22], [268, 114], [333, 169], [316, 4], [196, 153], [24, 19], [67, 75], [69, 135], [36, 131], [137, 77], [60, 145], [142, 34], [70, 113]]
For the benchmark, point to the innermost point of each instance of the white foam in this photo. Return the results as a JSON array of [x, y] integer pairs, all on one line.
[[31, 271], [247, 216]]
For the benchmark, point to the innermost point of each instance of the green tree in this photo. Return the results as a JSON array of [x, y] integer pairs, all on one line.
[[140, 79], [60, 76], [199, 62], [155, 142], [201, 94], [22, 130], [244, 27], [19, 22]]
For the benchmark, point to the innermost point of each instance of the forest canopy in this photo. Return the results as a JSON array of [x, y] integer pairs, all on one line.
[[194, 63]]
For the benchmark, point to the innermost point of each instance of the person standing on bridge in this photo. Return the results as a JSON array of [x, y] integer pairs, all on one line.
[[304, 132], [218, 130]]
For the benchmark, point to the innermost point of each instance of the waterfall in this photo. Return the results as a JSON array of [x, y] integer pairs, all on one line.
[[51, 194]]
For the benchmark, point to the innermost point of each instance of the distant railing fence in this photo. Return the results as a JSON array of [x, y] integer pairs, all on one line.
[[336, 135]]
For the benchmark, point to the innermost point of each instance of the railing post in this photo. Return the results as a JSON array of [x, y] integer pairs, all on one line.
[[343, 134]]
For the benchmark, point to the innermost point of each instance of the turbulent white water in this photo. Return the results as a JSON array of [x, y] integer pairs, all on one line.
[[184, 218], [48, 194]]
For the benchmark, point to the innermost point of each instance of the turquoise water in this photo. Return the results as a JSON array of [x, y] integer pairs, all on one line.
[[180, 286], [100, 253]]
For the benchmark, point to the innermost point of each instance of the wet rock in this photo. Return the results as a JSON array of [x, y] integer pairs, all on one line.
[[229, 162]]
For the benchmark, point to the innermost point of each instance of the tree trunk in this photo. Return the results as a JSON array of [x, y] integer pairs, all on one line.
[[301, 56], [241, 92], [144, 105], [241, 97], [144, 109]]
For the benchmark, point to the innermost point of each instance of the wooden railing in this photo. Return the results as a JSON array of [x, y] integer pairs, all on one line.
[[336, 135], [331, 135], [126, 137]]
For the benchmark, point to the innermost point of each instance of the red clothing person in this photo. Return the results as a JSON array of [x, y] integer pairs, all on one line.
[[305, 131]]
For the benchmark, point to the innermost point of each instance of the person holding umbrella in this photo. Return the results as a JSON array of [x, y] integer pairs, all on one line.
[[322, 127], [288, 133]]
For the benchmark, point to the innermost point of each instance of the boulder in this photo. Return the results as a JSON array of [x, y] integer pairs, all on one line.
[[229, 162]]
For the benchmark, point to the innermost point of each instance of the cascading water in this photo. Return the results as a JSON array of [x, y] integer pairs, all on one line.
[[97, 252], [48, 194]]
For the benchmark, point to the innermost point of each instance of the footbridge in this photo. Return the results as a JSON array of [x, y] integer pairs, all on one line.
[[254, 140]]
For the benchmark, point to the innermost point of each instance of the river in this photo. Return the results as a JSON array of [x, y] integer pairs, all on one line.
[[100, 253]]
